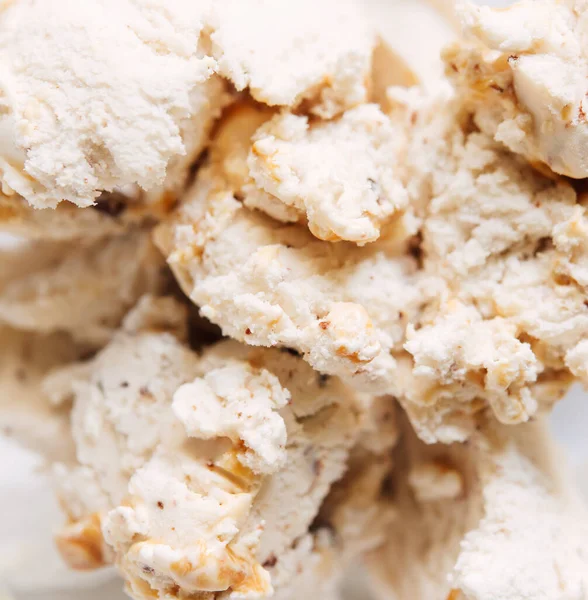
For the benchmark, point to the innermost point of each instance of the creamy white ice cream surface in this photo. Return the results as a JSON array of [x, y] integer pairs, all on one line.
[[288, 291]]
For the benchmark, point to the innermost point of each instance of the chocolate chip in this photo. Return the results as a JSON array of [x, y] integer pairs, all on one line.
[[270, 562], [415, 249]]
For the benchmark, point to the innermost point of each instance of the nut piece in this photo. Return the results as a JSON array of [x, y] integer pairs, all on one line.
[[81, 544]]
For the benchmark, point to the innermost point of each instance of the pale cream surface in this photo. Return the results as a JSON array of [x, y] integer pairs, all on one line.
[[341, 175], [447, 332], [25, 414], [78, 120], [418, 251], [524, 73], [188, 468], [269, 283], [82, 289], [514, 528], [505, 245]]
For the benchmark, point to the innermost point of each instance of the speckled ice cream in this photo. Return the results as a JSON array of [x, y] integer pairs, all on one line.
[[189, 468], [404, 273], [340, 175], [448, 336], [267, 283]]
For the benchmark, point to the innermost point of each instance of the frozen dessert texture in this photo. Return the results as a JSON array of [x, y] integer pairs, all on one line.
[[510, 305], [25, 414], [431, 311], [459, 346], [340, 175], [220, 405], [193, 472], [313, 52], [494, 519], [523, 73], [113, 213], [64, 223], [81, 289], [396, 22], [388, 69], [269, 283], [77, 120], [403, 272]]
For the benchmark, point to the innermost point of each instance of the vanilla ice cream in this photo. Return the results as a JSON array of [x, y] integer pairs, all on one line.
[[494, 519], [523, 73], [77, 120], [399, 255], [84, 290], [188, 469]]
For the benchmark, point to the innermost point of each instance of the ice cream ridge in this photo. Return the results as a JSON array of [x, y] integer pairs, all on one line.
[[285, 292]]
